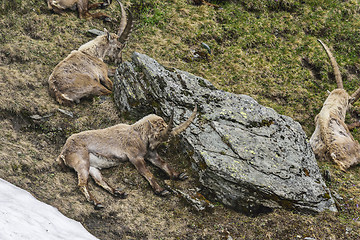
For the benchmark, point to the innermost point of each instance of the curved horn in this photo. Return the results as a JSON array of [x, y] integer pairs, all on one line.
[[334, 65], [185, 124], [170, 126], [123, 18], [355, 96], [125, 24]]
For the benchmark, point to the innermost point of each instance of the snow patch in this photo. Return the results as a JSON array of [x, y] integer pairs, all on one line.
[[24, 217]]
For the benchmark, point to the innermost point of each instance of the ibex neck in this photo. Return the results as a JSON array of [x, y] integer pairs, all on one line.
[[142, 129], [97, 47]]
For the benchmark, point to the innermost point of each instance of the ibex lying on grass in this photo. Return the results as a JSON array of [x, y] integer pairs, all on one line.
[[83, 7], [332, 138], [83, 73], [87, 152]]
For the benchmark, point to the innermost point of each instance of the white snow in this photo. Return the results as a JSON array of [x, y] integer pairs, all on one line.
[[23, 217]]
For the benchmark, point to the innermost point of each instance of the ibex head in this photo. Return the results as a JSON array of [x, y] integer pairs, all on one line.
[[118, 42], [160, 131], [110, 44]]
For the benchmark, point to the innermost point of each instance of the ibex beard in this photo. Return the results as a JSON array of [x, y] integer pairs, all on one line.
[[83, 73], [89, 151]]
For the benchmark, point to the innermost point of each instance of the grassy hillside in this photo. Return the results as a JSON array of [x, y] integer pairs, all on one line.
[[266, 49]]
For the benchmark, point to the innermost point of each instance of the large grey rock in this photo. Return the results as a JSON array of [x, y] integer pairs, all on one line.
[[248, 156]]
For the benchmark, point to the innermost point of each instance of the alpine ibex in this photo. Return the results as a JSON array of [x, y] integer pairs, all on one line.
[[87, 152], [83, 73], [332, 138], [83, 7]]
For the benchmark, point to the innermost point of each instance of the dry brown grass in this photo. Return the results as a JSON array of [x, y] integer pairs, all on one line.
[[266, 49]]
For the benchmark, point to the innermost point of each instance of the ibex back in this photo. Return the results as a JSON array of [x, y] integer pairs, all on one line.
[[89, 151], [83, 73]]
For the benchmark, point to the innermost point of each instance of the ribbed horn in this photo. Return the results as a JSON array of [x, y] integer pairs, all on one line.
[[125, 24], [355, 96], [123, 20], [334, 65], [170, 126], [185, 124]]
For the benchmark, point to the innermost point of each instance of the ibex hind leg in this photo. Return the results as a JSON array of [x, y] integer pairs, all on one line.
[[155, 159], [96, 175], [83, 9], [99, 90], [64, 100], [80, 163], [99, 5], [102, 16], [107, 83], [140, 165]]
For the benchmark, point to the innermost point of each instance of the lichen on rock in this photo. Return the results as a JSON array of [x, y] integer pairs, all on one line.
[[246, 155]]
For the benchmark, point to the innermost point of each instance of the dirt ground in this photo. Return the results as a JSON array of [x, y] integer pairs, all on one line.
[[33, 128]]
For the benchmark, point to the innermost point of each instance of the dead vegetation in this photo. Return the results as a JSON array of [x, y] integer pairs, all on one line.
[[257, 48]]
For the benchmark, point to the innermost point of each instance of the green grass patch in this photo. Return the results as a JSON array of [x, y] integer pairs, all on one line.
[[266, 49]]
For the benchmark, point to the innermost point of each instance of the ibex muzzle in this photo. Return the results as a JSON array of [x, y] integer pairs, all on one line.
[[83, 73], [89, 151]]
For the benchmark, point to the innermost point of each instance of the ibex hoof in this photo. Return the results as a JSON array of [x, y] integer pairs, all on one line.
[[98, 206], [120, 194], [183, 176]]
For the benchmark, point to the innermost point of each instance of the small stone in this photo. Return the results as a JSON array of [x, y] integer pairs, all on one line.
[[36, 117], [337, 196], [327, 175], [68, 113]]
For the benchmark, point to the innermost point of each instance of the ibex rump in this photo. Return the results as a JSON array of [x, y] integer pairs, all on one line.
[[87, 152], [332, 138], [83, 73], [83, 7]]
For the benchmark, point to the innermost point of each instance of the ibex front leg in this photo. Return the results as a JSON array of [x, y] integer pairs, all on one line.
[[140, 165], [96, 175], [155, 159]]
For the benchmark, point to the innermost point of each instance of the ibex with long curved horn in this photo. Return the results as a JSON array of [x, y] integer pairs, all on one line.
[[83, 73], [87, 152], [83, 7], [332, 138]]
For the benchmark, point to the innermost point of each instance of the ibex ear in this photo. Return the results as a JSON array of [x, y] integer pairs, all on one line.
[[107, 34]]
